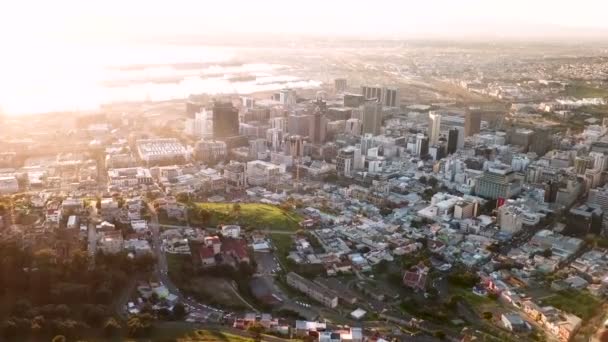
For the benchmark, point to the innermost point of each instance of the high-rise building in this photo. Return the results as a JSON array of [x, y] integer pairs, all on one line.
[[345, 161], [390, 97], [581, 164], [299, 124], [296, 146], [472, 123], [225, 120], [422, 145], [498, 182], [318, 127], [209, 151], [192, 108], [353, 100], [287, 97], [257, 148], [353, 127], [274, 137], [201, 126], [340, 85], [371, 92], [434, 127], [453, 135], [599, 161], [371, 117]]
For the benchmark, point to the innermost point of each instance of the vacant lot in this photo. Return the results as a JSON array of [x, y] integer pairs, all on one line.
[[207, 289], [579, 303], [256, 215]]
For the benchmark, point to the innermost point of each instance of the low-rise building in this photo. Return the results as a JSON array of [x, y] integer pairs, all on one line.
[[314, 291]]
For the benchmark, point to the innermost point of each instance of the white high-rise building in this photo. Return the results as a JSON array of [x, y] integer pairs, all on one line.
[[434, 127], [201, 126], [287, 97]]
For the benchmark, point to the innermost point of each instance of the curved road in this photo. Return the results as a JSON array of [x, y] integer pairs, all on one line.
[[162, 270]]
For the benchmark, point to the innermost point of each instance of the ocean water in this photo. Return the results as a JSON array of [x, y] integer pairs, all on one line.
[[78, 78]]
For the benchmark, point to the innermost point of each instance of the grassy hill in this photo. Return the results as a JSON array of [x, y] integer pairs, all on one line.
[[256, 215]]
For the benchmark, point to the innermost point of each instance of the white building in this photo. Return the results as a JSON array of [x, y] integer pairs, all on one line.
[[262, 173], [287, 97], [434, 127], [153, 151]]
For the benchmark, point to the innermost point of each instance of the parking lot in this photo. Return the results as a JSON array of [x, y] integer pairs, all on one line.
[[267, 263]]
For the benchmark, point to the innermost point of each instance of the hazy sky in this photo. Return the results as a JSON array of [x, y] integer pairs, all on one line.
[[115, 19]]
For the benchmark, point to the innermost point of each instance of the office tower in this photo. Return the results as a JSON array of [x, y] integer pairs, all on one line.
[[257, 147], [279, 122], [318, 128], [345, 161], [371, 117], [339, 113], [209, 151], [192, 108], [437, 152], [353, 100], [340, 85], [599, 197], [201, 126], [390, 97], [460, 137], [498, 182], [274, 137], [287, 97], [434, 127], [299, 124], [422, 145], [225, 120], [453, 134], [373, 92], [581, 164], [296, 146], [353, 127], [599, 161], [472, 123], [541, 141]]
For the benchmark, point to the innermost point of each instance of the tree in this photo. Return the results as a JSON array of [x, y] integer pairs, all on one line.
[[547, 253], [179, 311], [487, 315], [432, 181], [236, 208]]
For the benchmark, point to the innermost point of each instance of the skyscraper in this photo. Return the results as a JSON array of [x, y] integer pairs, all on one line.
[[390, 97], [225, 120], [340, 85], [287, 97], [434, 127], [472, 123], [371, 117], [371, 92], [422, 145], [453, 134], [318, 127]]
